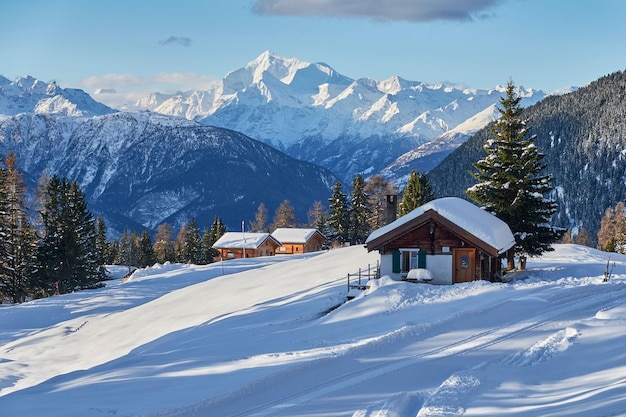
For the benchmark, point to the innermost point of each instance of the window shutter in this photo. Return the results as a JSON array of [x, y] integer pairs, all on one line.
[[395, 261], [421, 259]]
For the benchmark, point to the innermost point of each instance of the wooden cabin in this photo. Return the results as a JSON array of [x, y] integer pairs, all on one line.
[[234, 245], [296, 240], [451, 238]]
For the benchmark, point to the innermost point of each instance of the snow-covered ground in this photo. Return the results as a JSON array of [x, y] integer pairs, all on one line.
[[261, 337]]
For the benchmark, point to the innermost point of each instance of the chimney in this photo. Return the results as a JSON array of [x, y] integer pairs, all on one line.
[[391, 208]]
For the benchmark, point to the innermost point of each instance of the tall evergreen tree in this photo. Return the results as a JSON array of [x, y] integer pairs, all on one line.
[[358, 227], [102, 242], [337, 220], [147, 256], [68, 255], [193, 243], [511, 184], [217, 229], [208, 253], [417, 192]]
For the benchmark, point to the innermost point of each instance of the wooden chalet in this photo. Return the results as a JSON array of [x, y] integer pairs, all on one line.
[[233, 245], [296, 240], [445, 241]]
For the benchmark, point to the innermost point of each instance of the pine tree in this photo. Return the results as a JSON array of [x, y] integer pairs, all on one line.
[[193, 244], [208, 253], [146, 250], [511, 184], [358, 228], [337, 220], [102, 243], [285, 216], [68, 254], [417, 192], [217, 229]]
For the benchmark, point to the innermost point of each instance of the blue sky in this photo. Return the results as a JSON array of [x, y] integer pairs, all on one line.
[[139, 46]]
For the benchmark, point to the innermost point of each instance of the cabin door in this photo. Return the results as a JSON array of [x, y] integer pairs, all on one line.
[[464, 264]]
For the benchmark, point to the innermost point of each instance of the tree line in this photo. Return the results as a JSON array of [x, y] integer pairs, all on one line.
[[349, 217]]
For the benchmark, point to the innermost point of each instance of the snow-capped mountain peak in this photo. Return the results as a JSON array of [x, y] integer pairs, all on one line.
[[317, 114], [30, 95]]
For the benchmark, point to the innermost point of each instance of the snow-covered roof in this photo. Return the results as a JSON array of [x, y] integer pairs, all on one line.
[[293, 235], [237, 240], [464, 214]]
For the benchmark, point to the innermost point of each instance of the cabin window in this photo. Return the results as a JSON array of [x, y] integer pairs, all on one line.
[[412, 259]]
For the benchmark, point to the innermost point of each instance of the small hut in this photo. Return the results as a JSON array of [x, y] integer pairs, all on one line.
[[448, 240]]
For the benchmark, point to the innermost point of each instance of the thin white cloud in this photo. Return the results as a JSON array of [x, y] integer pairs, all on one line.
[[124, 90], [176, 40], [401, 10]]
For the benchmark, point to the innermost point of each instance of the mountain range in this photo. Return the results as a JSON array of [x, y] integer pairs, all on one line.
[[199, 153], [29, 95], [141, 169], [313, 113]]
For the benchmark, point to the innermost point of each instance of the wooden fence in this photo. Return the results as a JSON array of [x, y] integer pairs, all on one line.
[[358, 281]]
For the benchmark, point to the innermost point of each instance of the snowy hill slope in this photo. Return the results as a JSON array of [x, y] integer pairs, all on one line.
[[316, 114], [181, 340]]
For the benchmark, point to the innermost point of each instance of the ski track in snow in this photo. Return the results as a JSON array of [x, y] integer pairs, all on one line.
[[448, 399]]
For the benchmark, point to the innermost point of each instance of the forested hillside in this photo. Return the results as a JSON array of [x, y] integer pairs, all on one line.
[[583, 137]]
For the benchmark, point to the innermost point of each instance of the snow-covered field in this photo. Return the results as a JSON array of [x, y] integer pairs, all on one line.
[[260, 337]]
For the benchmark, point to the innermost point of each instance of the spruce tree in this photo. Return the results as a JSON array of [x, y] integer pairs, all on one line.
[[358, 228], [217, 229], [511, 182], [193, 243], [337, 220], [102, 242], [417, 192], [68, 254], [208, 253], [146, 250]]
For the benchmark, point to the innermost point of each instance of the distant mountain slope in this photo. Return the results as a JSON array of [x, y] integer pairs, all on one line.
[[316, 114], [29, 95], [142, 169], [582, 137]]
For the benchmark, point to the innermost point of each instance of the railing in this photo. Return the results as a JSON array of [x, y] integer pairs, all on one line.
[[361, 278]]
